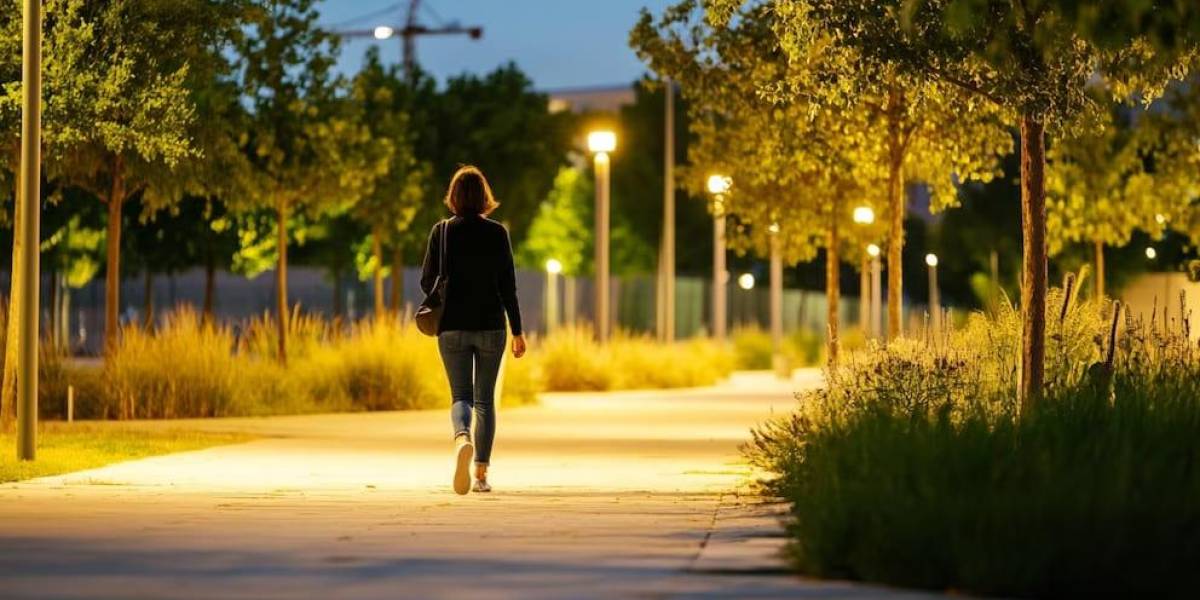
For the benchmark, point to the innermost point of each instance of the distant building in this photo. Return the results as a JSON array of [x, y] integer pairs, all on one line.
[[608, 98]]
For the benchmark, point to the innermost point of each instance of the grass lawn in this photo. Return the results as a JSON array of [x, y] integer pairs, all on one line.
[[64, 447]]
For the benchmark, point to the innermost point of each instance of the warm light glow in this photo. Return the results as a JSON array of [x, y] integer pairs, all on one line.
[[746, 281], [774, 228], [1160, 218], [719, 184], [602, 141], [863, 215], [553, 266], [873, 250], [383, 32], [1151, 253], [931, 260]]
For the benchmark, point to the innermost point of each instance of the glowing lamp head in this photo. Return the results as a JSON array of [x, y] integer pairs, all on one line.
[[383, 32], [1160, 218], [719, 184], [863, 215], [602, 141], [931, 260], [746, 281], [1151, 253], [774, 228], [554, 266], [873, 250]]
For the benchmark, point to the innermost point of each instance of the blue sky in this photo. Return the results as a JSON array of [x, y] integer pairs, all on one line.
[[559, 43]]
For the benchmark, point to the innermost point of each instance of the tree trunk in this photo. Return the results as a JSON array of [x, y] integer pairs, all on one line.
[[281, 301], [8, 393], [1099, 269], [148, 301], [896, 227], [377, 284], [397, 299], [210, 288], [832, 284], [112, 278], [1033, 279]]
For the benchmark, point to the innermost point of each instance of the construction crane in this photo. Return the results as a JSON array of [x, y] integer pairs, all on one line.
[[408, 32]]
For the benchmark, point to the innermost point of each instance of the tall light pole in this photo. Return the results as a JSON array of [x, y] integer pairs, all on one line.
[[601, 143], [718, 186], [876, 292], [30, 185], [778, 360], [667, 253], [864, 215], [935, 303], [553, 268]]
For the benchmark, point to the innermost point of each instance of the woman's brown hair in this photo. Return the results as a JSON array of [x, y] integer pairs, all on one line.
[[469, 193]]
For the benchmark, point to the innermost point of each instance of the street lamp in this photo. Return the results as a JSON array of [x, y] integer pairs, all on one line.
[[718, 186], [776, 303], [935, 307], [553, 268], [863, 215], [601, 143], [1151, 253], [383, 32], [746, 281], [876, 292]]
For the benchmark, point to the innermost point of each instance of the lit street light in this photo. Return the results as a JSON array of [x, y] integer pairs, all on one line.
[[383, 32], [718, 186], [1151, 253], [746, 281], [863, 215], [935, 307], [553, 268], [876, 292], [601, 143]]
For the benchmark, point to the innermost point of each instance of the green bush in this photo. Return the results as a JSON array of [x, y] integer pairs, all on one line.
[[916, 467]]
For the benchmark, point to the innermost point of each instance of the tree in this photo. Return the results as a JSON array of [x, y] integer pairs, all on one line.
[[557, 231], [311, 153], [920, 131], [391, 207], [1098, 189], [791, 161], [1031, 59], [498, 123]]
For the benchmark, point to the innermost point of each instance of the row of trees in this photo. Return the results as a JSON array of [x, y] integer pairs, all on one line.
[[221, 130], [815, 107]]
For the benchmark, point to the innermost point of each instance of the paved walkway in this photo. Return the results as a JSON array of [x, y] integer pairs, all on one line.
[[614, 495]]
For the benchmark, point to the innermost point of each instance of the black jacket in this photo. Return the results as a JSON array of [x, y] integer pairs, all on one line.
[[482, 281]]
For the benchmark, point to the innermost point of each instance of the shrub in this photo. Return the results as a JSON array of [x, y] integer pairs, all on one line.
[[570, 360], [753, 348], [916, 467], [186, 369]]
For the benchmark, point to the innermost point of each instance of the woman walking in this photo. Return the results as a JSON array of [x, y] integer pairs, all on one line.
[[481, 289]]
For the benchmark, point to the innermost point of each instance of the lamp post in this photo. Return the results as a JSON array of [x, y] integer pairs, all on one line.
[[778, 360], [553, 268], [718, 186], [864, 215], [667, 253], [746, 282], [935, 304], [876, 292], [30, 186], [601, 143]]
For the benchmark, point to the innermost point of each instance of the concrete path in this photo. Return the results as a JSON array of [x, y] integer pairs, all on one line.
[[632, 495]]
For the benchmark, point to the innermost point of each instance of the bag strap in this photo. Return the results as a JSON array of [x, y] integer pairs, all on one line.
[[442, 256]]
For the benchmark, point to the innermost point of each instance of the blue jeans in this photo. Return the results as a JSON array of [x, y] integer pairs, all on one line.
[[472, 361]]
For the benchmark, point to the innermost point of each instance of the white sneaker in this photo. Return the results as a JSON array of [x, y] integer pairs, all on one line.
[[481, 485], [462, 467]]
